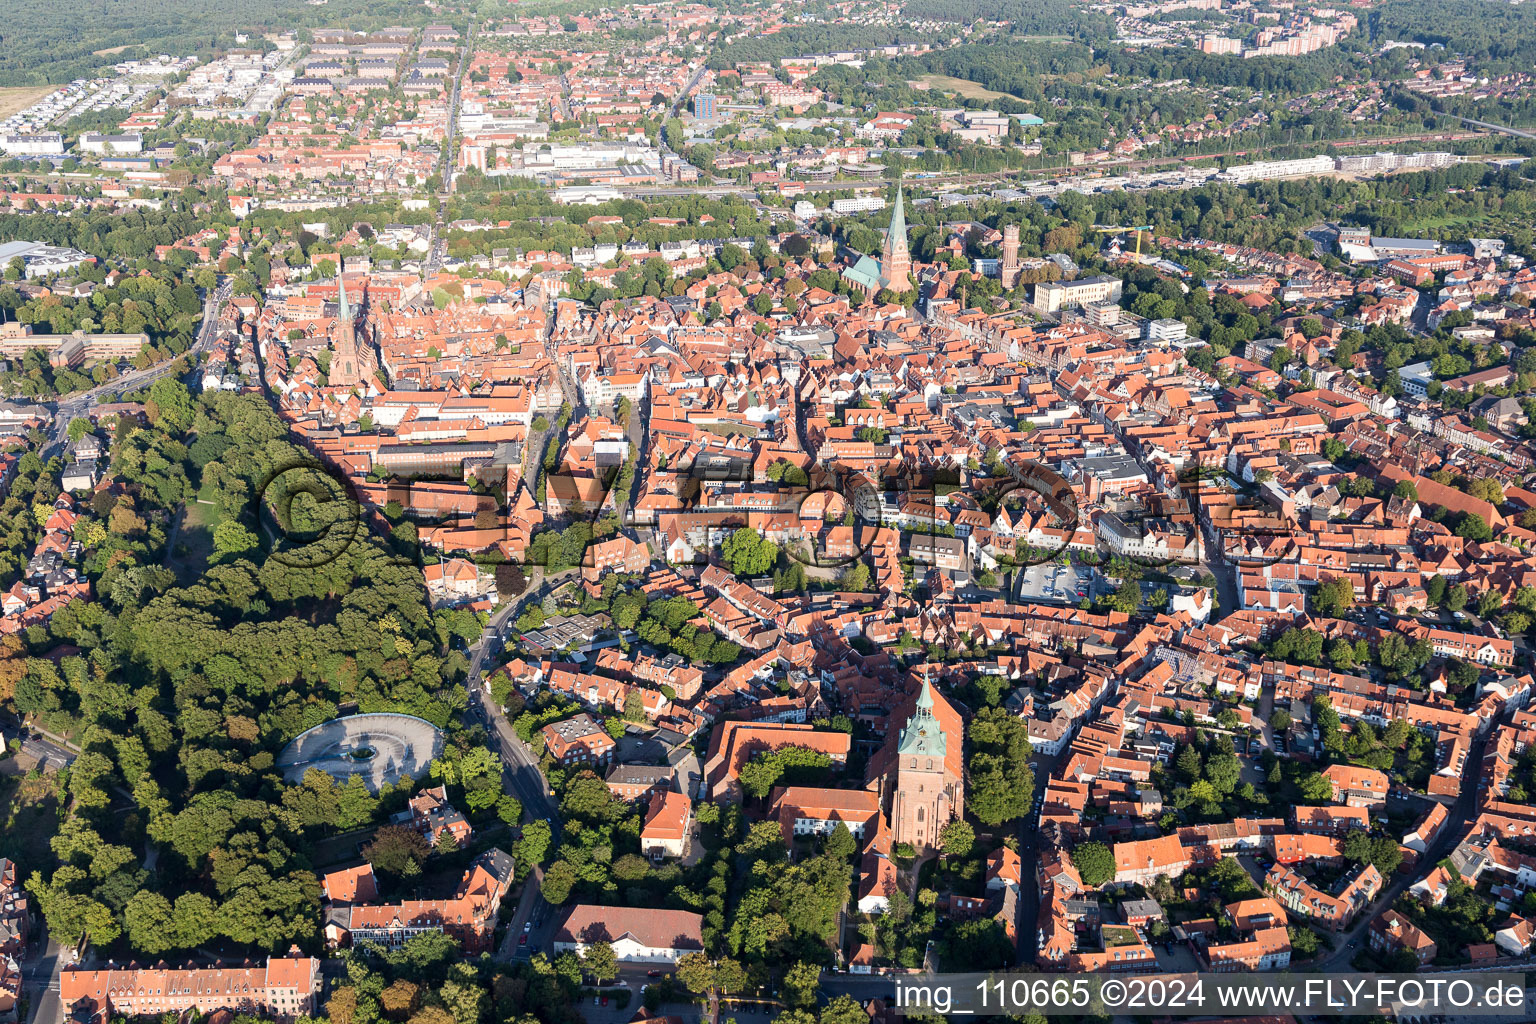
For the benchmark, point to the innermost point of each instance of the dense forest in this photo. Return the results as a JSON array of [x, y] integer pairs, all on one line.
[[1504, 34], [39, 47], [181, 696], [806, 39], [1025, 17]]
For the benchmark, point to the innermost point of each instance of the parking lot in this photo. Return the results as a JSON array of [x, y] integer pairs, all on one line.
[[1049, 582], [1176, 958]]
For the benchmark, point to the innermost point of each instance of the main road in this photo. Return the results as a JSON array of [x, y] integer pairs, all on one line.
[[682, 94], [437, 247], [71, 406], [1461, 813], [521, 775]]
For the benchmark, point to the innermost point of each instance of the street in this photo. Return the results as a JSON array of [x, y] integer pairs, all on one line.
[[520, 769], [1461, 813], [437, 246], [69, 407]]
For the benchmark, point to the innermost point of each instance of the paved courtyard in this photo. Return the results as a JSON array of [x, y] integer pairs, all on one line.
[[383, 748]]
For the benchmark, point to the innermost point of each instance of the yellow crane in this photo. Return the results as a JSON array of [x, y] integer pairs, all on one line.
[[1117, 229]]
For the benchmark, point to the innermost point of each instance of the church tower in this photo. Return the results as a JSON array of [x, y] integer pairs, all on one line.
[[928, 792], [347, 369], [1010, 269], [895, 258]]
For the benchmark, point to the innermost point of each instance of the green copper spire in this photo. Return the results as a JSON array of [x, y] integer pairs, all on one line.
[[899, 218], [922, 735], [342, 312]]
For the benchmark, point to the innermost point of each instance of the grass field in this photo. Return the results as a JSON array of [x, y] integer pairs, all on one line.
[[112, 50], [964, 86], [29, 816], [1426, 224], [19, 97], [197, 525]]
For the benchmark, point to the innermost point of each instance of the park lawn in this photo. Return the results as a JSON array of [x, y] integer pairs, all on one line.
[[199, 519], [1419, 225], [29, 817], [14, 99], [964, 86]]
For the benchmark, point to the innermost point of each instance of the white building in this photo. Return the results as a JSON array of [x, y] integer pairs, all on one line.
[[637, 935], [585, 195], [1264, 170], [115, 145], [1167, 329], [1054, 296], [41, 260], [858, 204], [33, 144]]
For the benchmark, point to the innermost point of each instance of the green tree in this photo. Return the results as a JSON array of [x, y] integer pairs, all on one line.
[[1001, 785], [195, 918], [1095, 863], [150, 923], [840, 843], [854, 579], [600, 961], [957, 838], [533, 846], [463, 995], [1126, 598], [1474, 527], [747, 553], [397, 850], [1456, 598], [558, 882], [231, 539], [170, 402], [1316, 788], [800, 984], [1334, 597]]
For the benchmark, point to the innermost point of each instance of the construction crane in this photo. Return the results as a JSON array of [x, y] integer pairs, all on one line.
[[1117, 229]]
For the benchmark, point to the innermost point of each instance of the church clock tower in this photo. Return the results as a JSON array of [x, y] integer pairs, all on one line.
[[895, 257], [925, 797], [350, 364]]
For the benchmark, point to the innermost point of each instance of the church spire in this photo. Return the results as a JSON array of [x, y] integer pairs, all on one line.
[[895, 257], [341, 280], [349, 361], [923, 735]]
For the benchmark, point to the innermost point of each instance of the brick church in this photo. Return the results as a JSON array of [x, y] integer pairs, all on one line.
[[353, 362], [893, 271], [920, 771]]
